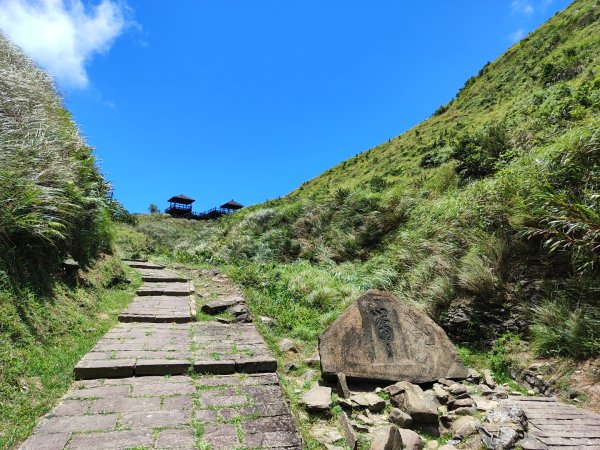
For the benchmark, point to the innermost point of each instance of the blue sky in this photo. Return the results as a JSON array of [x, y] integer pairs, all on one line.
[[247, 99]]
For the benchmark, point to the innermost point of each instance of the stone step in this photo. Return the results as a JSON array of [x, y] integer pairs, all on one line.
[[159, 309], [560, 426], [159, 412], [164, 288], [167, 349], [161, 275], [138, 264]]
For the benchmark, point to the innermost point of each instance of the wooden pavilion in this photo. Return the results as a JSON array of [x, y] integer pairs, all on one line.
[[180, 206], [232, 206]]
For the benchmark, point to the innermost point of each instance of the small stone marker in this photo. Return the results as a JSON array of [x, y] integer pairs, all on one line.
[[380, 338]]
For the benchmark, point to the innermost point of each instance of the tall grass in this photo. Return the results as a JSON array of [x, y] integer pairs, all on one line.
[[53, 199]]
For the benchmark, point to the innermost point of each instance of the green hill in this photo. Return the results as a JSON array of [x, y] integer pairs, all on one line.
[[487, 214]]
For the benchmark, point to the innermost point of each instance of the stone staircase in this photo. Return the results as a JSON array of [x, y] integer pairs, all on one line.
[[555, 425], [159, 379]]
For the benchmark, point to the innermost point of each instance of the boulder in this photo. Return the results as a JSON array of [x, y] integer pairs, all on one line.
[[411, 440], [368, 400], [461, 403], [220, 305], [400, 418], [440, 393], [268, 321], [287, 345], [387, 438], [488, 378], [380, 338], [318, 399], [412, 400], [464, 426], [457, 389]]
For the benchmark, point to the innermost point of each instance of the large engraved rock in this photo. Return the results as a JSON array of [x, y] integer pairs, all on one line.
[[380, 338]]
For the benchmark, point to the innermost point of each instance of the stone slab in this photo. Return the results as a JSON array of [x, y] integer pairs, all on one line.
[[381, 338], [159, 412], [161, 275], [560, 426], [222, 304], [140, 349], [156, 288], [158, 309], [143, 264]]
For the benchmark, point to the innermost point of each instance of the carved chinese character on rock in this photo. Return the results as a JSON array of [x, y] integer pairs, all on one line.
[[381, 338]]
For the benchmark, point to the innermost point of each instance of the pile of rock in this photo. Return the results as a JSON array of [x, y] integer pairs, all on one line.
[[469, 411], [379, 340]]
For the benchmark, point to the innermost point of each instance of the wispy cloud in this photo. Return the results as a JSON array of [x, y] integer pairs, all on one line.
[[522, 7], [517, 35], [62, 35]]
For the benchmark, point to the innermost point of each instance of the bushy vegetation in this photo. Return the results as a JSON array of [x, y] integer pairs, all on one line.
[[53, 200], [54, 205], [493, 200]]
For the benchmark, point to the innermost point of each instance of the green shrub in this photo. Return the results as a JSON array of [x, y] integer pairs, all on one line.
[[478, 153], [562, 330]]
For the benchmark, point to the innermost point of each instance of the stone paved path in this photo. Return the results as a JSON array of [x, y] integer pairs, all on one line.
[[148, 385], [560, 426]]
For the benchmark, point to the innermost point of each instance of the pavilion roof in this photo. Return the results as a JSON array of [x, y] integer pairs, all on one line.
[[232, 204], [181, 199]]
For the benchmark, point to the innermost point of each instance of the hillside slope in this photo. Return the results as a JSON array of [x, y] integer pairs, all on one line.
[[54, 205], [487, 215]]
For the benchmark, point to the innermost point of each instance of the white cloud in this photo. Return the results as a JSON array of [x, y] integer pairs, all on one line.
[[521, 7], [517, 35], [62, 35]]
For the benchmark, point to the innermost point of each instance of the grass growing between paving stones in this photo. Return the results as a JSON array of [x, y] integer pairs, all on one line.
[[37, 369]]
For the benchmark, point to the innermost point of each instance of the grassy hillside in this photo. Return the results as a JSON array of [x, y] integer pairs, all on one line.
[[54, 205], [487, 215]]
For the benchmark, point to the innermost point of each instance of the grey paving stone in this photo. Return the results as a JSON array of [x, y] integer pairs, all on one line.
[[99, 391], [182, 402], [80, 424], [206, 399], [154, 419], [220, 436], [112, 440], [180, 439], [164, 389], [71, 408], [273, 439], [125, 404], [55, 441]]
